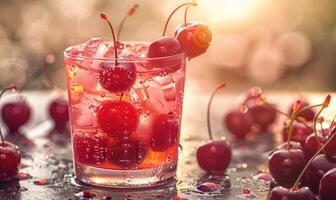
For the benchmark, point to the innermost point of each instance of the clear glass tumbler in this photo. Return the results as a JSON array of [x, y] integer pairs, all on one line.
[[125, 115]]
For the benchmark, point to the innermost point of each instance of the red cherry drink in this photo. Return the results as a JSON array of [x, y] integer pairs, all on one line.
[[125, 113]]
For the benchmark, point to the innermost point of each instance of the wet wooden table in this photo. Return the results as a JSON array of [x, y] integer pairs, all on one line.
[[53, 162]]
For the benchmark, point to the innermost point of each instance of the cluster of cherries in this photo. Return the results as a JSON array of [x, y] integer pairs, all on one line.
[[305, 167], [120, 119]]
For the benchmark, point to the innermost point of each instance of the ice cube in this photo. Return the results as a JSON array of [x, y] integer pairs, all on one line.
[[144, 130], [91, 47], [139, 93], [86, 78], [167, 84], [85, 115]]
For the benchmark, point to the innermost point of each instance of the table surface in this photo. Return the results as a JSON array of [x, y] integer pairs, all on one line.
[[52, 161]]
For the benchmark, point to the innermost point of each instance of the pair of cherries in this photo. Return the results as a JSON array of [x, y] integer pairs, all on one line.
[[253, 112]]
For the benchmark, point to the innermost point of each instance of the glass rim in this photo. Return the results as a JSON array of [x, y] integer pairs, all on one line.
[[139, 59]]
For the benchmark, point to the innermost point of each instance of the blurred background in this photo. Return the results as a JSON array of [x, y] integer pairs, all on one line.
[[275, 44]]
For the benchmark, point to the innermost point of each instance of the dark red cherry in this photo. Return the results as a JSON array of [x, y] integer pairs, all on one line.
[[165, 131], [306, 114], [165, 47], [262, 114], [316, 170], [292, 145], [299, 134], [214, 155], [10, 160], [89, 147], [328, 185], [311, 145], [286, 165], [281, 193], [195, 38], [15, 114], [117, 118], [127, 153], [58, 111], [117, 78], [238, 123], [330, 150]]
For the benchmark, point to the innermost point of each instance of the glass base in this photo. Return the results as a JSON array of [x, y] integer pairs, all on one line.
[[141, 178]]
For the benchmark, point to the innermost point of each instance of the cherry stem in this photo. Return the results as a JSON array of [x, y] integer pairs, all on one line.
[[131, 10], [325, 104], [298, 119], [333, 132], [13, 88], [186, 14], [105, 17], [216, 88], [294, 116], [172, 13]]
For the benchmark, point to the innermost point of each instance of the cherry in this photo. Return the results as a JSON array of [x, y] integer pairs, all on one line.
[[89, 147], [15, 114], [311, 145], [10, 157], [307, 114], [214, 155], [262, 114], [165, 131], [285, 165], [328, 185], [330, 150], [281, 193], [194, 38], [299, 134], [318, 167], [292, 145], [116, 77], [127, 153], [238, 123], [58, 111], [117, 118]]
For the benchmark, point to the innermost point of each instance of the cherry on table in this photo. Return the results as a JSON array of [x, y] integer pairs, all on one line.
[[89, 147], [330, 150], [318, 167], [194, 38], [127, 153], [281, 193], [262, 114], [328, 185], [165, 131], [299, 134], [117, 118], [238, 123], [285, 165], [58, 111], [311, 145], [10, 159]]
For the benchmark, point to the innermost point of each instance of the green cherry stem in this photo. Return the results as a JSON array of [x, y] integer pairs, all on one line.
[[325, 104], [129, 13], [216, 88], [105, 17], [172, 13], [12, 87], [333, 134]]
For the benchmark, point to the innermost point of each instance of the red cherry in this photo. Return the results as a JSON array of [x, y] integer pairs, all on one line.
[[328, 185], [10, 160], [262, 114], [311, 145], [117, 78], [194, 38], [307, 114], [286, 165], [15, 114], [127, 153], [318, 167], [238, 123], [214, 156], [330, 150], [292, 145], [299, 134], [117, 118], [89, 147], [165, 47], [165, 131], [281, 193], [58, 111]]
